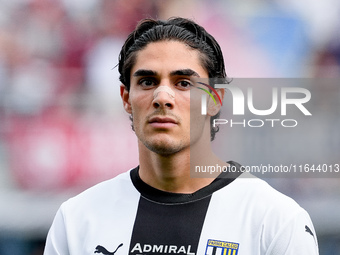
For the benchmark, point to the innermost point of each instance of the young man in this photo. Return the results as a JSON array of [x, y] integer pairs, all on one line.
[[157, 208]]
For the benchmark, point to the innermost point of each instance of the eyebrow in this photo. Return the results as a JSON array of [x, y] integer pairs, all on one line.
[[184, 72], [180, 72], [143, 72]]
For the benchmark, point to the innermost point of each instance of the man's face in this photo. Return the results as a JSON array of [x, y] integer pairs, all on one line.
[[162, 120]]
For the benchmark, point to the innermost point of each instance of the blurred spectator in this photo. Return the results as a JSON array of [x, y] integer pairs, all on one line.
[[115, 21], [327, 60], [57, 70]]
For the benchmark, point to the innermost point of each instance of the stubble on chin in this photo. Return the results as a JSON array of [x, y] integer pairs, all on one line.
[[163, 148]]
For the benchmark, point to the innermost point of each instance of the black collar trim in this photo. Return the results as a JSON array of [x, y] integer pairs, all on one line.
[[164, 197]]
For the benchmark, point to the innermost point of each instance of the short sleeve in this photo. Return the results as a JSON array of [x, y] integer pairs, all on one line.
[[56, 242]]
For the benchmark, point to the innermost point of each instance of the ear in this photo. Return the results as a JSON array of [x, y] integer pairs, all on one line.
[[125, 95], [213, 108]]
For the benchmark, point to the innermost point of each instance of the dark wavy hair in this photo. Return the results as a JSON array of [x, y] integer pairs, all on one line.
[[177, 29]]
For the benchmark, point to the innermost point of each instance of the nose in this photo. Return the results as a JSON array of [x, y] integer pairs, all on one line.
[[163, 97]]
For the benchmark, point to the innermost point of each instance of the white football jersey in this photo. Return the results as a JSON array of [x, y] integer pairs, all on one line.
[[124, 215]]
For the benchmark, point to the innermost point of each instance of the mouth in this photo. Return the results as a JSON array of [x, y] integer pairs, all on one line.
[[162, 122]]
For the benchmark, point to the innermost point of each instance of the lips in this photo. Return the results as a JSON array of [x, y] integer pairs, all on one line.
[[162, 122]]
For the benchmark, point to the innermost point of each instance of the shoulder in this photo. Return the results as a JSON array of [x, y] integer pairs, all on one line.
[[104, 193], [258, 192], [256, 199]]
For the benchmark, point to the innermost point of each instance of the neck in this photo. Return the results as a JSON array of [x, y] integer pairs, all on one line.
[[172, 173]]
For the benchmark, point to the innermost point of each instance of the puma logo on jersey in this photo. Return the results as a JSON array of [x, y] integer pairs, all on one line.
[[101, 249], [307, 229]]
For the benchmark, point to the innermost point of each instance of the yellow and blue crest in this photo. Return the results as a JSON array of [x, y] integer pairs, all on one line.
[[215, 247]]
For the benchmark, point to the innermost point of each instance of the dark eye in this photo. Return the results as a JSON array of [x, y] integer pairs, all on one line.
[[147, 82], [184, 84]]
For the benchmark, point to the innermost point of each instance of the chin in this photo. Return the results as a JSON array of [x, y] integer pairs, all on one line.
[[164, 149]]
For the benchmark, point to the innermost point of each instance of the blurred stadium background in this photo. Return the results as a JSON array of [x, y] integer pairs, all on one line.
[[62, 125]]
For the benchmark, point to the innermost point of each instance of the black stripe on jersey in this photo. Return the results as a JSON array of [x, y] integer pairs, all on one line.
[[168, 228], [170, 223]]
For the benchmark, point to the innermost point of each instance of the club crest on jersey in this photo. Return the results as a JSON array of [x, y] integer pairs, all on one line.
[[215, 247]]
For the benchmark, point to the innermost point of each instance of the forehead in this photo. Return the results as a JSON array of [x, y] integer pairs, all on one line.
[[168, 56]]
